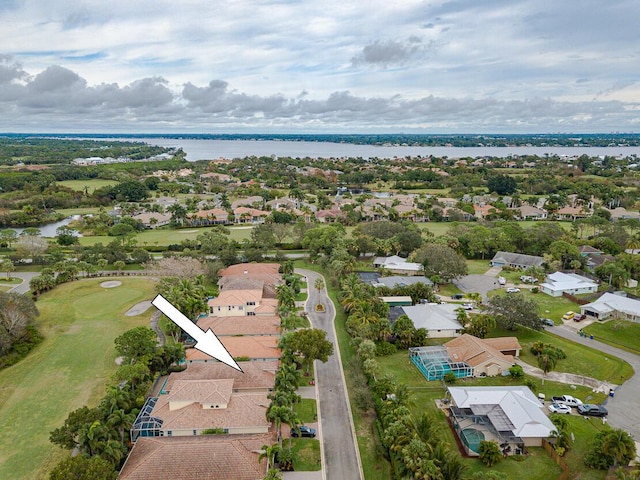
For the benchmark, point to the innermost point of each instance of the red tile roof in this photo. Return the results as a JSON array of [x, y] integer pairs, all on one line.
[[244, 346], [249, 325], [256, 376]]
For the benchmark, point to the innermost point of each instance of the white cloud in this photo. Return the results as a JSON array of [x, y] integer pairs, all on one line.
[[461, 64]]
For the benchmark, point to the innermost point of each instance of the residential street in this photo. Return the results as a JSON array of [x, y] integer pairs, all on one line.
[[341, 458]]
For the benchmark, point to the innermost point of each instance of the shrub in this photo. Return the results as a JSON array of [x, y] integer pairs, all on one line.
[[535, 290], [450, 377], [385, 348], [489, 453], [516, 371]]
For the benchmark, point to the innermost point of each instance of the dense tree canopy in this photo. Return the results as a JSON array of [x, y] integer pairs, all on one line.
[[512, 309]]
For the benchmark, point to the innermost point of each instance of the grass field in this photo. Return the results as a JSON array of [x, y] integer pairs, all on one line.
[[306, 454], [92, 185], [306, 410], [619, 333], [69, 369]]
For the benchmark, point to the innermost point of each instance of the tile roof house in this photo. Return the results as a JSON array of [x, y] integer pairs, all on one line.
[[558, 283], [490, 356], [153, 219], [249, 215], [610, 305], [247, 275], [398, 265], [512, 416], [210, 457], [235, 325], [528, 212], [235, 302], [516, 260], [212, 216], [440, 321], [255, 348]]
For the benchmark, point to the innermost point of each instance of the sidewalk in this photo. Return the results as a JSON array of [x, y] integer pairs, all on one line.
[[568, 378]]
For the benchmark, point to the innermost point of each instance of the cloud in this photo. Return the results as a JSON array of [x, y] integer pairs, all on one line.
[[392, 52]]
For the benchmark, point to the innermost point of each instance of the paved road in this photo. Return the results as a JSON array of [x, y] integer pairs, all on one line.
[[26, 278], [623, 407], [341, 458]]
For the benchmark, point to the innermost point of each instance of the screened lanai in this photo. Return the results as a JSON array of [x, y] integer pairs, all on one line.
[[434, 363], [146, 425]]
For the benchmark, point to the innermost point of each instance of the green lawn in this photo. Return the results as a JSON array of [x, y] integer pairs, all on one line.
[[478, 267], [306, 454], [78, 211], [69, 369], [92, 185], [167, 236], [306, 410], [619, 333], [580, 359], [550, 307]]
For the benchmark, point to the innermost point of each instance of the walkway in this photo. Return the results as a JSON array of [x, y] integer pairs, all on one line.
[[340, 454]]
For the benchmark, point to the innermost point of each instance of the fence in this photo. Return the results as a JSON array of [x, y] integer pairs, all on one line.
[[558, 459]]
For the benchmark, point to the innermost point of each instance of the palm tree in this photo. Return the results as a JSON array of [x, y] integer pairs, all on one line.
[[273, 474], [278, 414], [547, 360], [269, 452], [319, 284], [619, 445]]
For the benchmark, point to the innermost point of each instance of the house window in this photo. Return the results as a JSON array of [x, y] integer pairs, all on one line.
[[195, 432], [169, 433], [251, 303], [218, 308], [251, 314], [229, 307]]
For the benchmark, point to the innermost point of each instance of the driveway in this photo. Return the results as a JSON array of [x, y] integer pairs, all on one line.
[[623, 407], [26, 278], [481, 284], [340, 455]]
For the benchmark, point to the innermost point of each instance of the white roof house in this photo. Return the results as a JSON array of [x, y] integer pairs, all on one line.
[[610, 304], [398, 265], [512, 409], [439, 320], [558, 283], [400, 281]]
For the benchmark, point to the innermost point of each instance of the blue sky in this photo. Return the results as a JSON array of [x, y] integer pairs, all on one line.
[[320, 66]]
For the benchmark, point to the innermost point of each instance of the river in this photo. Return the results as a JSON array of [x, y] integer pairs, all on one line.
[[203, 149]]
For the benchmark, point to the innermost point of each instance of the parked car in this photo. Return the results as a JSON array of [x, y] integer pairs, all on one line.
[[467, 306], [457, 296], [592, 410], [513, 290], [569, 315], [568, 400], [303, 431], [527, 279], [548, 322], [559, 408], [578, 317], [502, 280]]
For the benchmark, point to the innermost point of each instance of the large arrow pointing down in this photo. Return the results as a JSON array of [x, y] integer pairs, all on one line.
[[206, 342]]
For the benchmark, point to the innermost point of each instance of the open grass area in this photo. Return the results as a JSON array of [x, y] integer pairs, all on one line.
[[550, 307], [619, 333], [78, 211], [306, 454], [92, 185], [306, 410], [167, 236], [478, 267], [580, 359], [69, 369]]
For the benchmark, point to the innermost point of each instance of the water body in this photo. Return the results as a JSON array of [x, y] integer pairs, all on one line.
[[203, 149], [49, 229]]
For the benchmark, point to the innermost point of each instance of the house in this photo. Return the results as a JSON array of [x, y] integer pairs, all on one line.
[[213, 216], [235, 325], [398, 265], [153, 219], [193, 407], [610, 305], [249, 215], [488, 357], [558, 283], [483, 211], [529, 212], [512, 416], [231, 278], [209, 457], [516, 260], [397, 301], [254, 348], [235, 302], [573, 213], [440, 321]]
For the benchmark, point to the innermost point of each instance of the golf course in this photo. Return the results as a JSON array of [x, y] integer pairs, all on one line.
[[69, 369]]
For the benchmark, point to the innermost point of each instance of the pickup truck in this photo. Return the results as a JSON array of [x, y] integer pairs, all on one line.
[[566, 400], [592, 410]]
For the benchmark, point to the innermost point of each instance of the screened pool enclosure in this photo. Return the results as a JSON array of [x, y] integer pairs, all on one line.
[[434, 363]]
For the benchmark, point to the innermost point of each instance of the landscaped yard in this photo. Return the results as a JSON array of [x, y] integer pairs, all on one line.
[[619, 333], [92, 185], [306, 410], [550, 307], [306, 454], [67, 370]]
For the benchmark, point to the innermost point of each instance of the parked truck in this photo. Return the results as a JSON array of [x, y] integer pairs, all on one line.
[[566, 400]]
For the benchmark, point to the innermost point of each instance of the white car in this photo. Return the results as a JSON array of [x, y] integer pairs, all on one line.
[[559, 408], [467, 306], [513, 290]]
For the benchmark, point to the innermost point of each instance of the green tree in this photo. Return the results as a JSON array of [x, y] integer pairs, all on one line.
[[8, 236], [441, 261], [136, 344], [512, 309], [83, 468], [68, 435], [489, 453], [7, 266], [66, 235], [319, 284], [502, 184], [311, 344]]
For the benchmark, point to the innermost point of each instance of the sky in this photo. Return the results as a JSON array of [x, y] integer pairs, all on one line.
[[320, 66]]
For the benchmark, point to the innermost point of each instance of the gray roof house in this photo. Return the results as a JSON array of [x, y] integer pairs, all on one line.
[[400, 281], [611, 305], [516, 260], [439, 320]]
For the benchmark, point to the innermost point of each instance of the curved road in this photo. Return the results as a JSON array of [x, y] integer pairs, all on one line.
[[341, 455], [623, 407]]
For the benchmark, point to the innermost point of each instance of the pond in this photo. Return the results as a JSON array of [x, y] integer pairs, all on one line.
[[49, 229]]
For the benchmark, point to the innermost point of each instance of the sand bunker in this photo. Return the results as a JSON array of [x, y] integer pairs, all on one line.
[[138, 308], [111, 284]]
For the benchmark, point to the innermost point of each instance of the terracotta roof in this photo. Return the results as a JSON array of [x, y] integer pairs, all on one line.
[[251, 269], [249, 347], [254, 212], [474, 351], [205, 457], [503, 344], [210, 392], [214, 212], [244, 410], [240, 282], [257, 375], [268, 306], [242, 325], [235, 297]]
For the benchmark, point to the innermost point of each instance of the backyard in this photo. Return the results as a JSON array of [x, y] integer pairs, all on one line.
[[69, 369]]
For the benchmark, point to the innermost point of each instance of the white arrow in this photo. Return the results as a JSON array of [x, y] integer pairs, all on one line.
[[206, 342]]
